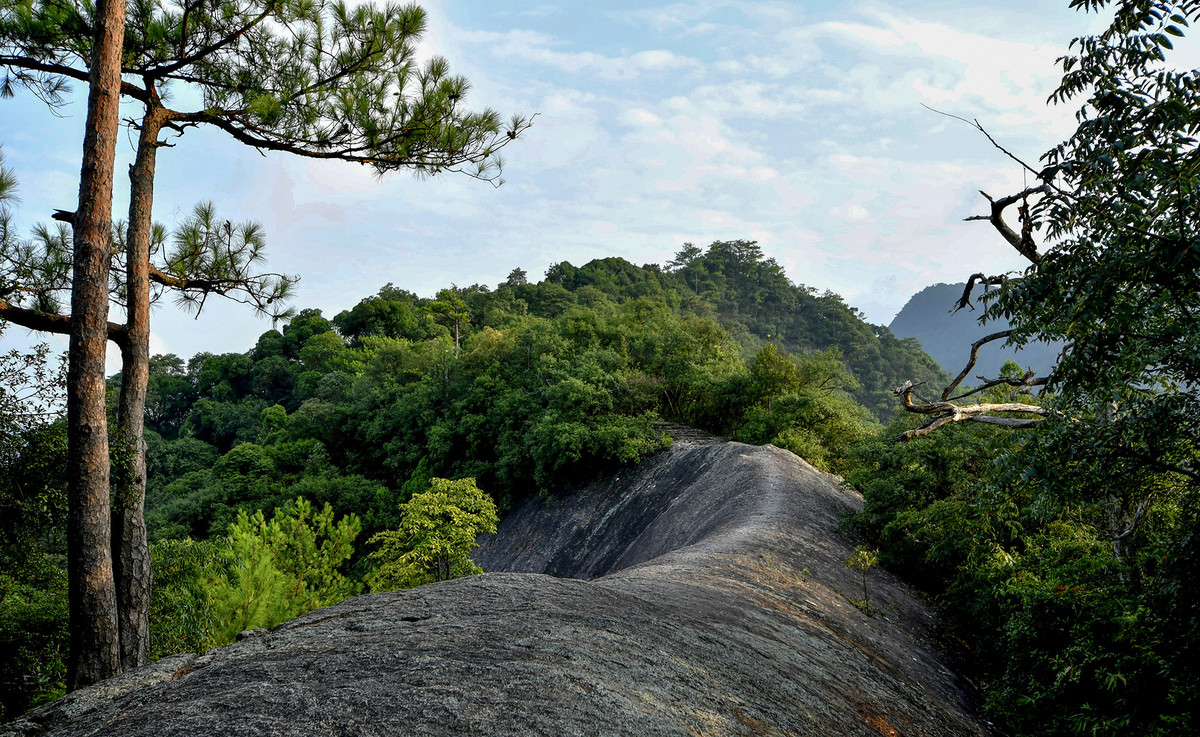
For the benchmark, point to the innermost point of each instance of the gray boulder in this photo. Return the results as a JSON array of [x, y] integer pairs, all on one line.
[[703, 592]]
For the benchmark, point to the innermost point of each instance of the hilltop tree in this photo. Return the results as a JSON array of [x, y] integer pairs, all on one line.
[[517, 277], [451, 307], [392, 313], [312, 79]]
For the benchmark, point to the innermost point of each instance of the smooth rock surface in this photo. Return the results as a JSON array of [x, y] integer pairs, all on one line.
[[703, 592]]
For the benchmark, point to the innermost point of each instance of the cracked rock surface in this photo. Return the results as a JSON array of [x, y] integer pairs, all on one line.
[[703, 592]]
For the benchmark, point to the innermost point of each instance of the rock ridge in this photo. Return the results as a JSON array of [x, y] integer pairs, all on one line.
[[703, 592]]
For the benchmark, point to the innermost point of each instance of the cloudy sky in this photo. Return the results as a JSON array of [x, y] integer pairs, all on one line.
[[800, 125]]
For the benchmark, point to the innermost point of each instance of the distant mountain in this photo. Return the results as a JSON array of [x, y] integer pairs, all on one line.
[[947, 337]]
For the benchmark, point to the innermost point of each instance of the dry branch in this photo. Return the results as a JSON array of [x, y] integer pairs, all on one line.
[[980, 278], [1022, 241], [971, 361], [947, 412]]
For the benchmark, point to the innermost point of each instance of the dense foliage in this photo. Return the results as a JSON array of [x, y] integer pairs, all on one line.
[[1121, 284], [263, 572], [528, 387], [33, 509], [1066, 636], [1068, 557]]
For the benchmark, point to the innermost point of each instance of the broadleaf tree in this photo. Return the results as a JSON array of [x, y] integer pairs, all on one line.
[[1110, 233], [319, 80], [435, 537], [1117, 278]]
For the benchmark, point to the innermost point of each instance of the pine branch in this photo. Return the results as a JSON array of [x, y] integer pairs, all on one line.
[[50, 322]]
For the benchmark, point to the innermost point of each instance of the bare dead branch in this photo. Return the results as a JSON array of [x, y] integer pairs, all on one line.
[[971, 361], [1022, 241], [926, 428], [947, 412], [979, 127], [1118, 542], [989, 281]]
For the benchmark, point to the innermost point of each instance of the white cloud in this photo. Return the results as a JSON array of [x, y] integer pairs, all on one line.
[[640, 117], [850, 211], [539, 48], [938, 64]]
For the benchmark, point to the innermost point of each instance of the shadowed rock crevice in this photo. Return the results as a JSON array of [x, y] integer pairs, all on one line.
[[700, 593]]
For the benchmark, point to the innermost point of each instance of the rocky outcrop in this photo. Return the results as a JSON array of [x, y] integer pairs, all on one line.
[[703, 592]]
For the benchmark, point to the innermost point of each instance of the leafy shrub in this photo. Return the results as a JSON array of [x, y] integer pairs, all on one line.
[[436, 535], [261, 573]]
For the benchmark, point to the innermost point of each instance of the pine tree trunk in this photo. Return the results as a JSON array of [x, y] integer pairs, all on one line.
[[131, 551], [93, 606]]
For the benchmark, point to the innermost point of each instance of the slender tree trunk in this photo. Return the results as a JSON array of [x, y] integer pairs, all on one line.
[[93, 605], [131, 550]]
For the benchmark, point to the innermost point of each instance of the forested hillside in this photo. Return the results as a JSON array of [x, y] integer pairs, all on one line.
[[749, 294], [327, 426], [524, 387]]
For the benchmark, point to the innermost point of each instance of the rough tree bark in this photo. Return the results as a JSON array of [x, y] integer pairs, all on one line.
[[95, 638], [130, 546], [129, 539]]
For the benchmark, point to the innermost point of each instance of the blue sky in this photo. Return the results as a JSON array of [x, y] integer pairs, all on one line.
[[796, 124]]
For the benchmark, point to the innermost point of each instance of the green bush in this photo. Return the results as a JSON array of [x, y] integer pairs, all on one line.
[[33, 637], [437, 532], [181, 617], [261, 573], [280, 569]]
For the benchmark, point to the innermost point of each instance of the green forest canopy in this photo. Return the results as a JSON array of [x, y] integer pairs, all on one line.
[[555, 382]]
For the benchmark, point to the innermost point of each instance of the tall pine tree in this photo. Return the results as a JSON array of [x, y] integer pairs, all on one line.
[[319, 80]]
